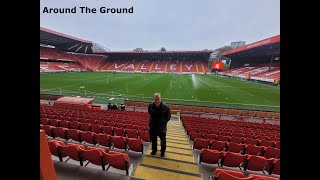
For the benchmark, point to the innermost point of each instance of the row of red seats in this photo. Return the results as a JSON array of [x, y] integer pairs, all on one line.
[[268, 152], [99, 121], [91, 123], [224, 174], [226, 131], [51, 53], [199, 120], [221, 132], [243, 162], [241, 140], [90, 116], [70, 110], [230, 125], [104, 118], [105, 140], [88, 136], [238, 126], [58, 109], [231, 128], [94, 127], [229, 131], [66, 117], [97, 156]]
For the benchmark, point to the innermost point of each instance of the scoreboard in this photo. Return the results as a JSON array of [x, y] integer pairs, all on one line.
[[217, 65]]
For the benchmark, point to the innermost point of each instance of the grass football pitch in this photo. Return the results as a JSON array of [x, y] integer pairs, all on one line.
[[195, 89]]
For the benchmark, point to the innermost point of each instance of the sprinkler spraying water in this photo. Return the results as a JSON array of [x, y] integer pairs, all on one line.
[[195, 81]]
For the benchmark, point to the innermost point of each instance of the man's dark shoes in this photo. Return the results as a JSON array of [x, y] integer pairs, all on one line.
[[162, 154], [153, 152]]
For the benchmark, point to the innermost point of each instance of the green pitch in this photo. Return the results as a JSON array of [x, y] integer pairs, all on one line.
[[202, 90]]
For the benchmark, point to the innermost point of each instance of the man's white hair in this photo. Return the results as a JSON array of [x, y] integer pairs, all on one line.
[[157, 94]]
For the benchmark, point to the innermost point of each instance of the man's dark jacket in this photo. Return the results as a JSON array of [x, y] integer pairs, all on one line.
[[158, 118]]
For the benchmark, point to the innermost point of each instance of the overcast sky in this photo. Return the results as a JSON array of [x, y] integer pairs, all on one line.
[[174, 24]]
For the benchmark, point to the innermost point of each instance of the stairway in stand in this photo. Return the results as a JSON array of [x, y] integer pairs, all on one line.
[[178, 163]]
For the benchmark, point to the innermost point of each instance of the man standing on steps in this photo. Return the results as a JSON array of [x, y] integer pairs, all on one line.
[[159, 114]]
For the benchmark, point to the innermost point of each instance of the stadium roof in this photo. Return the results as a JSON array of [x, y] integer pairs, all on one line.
[[159, 55], [68, 43], [266, 47], [160, 52]]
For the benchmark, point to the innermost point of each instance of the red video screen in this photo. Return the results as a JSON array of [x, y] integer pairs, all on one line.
[[217, 65]]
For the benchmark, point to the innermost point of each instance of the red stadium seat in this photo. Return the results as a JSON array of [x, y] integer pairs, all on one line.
[[235, 147], [95, 156], [211, 156], [47, 129], [59, 132], [223, 138], [87, 136], [130, 126], [132, 133], [234, 160], [43, 116], [219, 171], [73, 152], [84, 126], [64, 123], [274, 139], [213, 132], [254, 150], [54, 148], [266, 143], [51, 116], [202, 131], [276, 167], [100, 122], [218, 145], [277, 145], [73, 119], [238, 140], [119, 125], [225, 133], [107, 130], [96, 128], [272, 153], [209, 136], [118, 142], [73, 125], [194, 135], [91, 121], [227, 176], [261, 177], [109, 124], [73, 134], [44, 121], [135, 144], [201, 143], [260, 137], [53, 122], [119, 131], [102, 139], [237, 134], [258, 163], [139, 128], [144, 135], [118, 160], [251, 141], [251, 136], [67, 118]]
